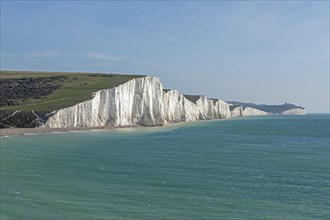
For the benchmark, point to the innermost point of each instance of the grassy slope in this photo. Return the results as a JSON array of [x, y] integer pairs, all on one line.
[[77, 87]]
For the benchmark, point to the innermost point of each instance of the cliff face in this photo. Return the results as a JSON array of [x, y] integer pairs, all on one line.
[[178, 108], [294, 111], [248, 111], [212, 109], [237, 112], [222, 109], [140, 101], [136, 102]]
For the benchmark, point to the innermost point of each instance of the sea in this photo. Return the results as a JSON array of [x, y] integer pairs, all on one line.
[[271, 167]]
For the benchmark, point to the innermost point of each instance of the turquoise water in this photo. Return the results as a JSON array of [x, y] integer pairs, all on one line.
[[252, 168]]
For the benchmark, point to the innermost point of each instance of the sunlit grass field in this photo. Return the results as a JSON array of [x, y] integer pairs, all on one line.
[[73, 88]]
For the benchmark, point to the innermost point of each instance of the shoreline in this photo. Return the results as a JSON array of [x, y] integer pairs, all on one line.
[[9, 132]]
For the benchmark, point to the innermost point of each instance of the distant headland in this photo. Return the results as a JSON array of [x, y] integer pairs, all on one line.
[[86, 100]]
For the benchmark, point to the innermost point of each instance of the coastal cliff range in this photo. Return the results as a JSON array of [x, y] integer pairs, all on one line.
[[132, 101], [140, 101], [241, 109]]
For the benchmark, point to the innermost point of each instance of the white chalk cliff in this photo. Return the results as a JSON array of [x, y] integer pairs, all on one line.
[[140, 101], [248, 111], [294, 111], [178, 108], [237, 112]]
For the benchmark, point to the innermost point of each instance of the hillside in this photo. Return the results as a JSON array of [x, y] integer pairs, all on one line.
[[49, 91], [274, 109]]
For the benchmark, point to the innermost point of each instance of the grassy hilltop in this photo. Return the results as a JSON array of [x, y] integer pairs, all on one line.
[[48, 91]]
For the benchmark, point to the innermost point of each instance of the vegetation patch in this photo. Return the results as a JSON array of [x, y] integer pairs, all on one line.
[[20, 91], [166, 90], [214, 100], [49, 91], [192, 98]]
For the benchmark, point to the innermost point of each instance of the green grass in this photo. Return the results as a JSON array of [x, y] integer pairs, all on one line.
[[77, 87]]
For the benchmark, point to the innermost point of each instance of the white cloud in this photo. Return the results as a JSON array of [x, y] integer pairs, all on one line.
[[39, 54], [48, 53], [103, 56]]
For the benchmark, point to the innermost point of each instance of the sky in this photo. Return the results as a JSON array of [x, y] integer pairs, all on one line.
[[266, 52]]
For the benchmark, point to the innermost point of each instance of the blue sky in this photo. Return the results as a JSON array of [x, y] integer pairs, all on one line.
[[264, 52]]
